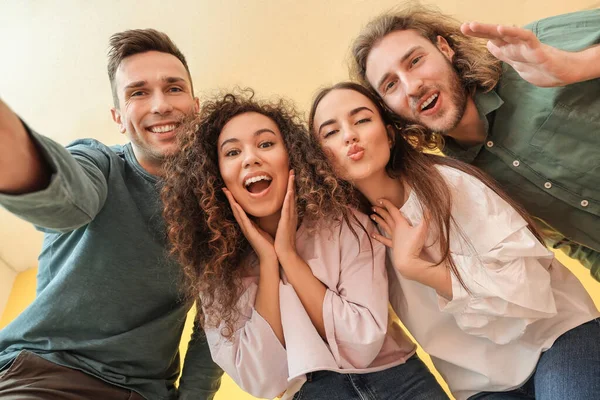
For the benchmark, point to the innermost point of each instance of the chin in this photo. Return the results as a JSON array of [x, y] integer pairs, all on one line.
[[260, 210]]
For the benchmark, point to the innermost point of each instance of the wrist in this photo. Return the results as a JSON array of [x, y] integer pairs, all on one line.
[[269, 261], [288, 257], [583, 65], [437, 277]]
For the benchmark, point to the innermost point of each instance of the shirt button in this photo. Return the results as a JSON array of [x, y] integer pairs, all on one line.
[[490, 144], [547, 185], [584, 203], [516, 163]]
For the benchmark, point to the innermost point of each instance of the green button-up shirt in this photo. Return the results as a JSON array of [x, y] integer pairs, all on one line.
[[543, 144]]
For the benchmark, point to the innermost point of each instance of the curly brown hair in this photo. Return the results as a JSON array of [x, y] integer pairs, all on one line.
[[203, 233], [476, 67]]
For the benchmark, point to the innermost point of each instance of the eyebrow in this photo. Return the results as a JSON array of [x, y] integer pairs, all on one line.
[[166, 79], [350, 114], [402, 60], [257, 133]]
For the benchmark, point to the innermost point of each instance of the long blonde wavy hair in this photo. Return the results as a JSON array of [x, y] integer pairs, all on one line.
[[476, 67]]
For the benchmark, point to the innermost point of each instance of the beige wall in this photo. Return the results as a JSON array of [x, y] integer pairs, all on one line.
[[53, 69]]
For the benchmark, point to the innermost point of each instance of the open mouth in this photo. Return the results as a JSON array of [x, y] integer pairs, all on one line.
[[162, 129], [429, 103], [258, 184]]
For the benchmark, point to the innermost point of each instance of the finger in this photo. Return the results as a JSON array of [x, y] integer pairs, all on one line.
[[293, 210], [385, 215], [497, 52], [518, 33], [382, 239], [484, 31], [239, 214], [382, 224], [502, 34], [395, 213], [289, 200]]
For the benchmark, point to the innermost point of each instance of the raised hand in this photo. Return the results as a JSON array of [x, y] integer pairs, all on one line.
[[406, 241], [285, 238], [261, 241], [537, 63]]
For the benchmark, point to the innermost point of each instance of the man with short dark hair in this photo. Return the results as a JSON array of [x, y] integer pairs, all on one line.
[[108, 316]]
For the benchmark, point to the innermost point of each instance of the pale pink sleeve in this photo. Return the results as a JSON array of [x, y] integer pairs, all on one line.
[[253, 357], [356, 313]]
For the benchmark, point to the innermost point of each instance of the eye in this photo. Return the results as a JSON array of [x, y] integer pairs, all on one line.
[[136, 93], [363, 120], [415, 61], [264, 145], [175, 89], [327, 134], [389, 86], [232, 152]]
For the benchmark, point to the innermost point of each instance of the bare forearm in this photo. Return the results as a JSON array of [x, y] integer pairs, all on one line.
[[22, 167], [267, 297], [437, 277], [586, 64], [310, 290]]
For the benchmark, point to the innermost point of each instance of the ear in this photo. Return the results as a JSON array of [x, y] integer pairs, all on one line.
[[116, 116], [444, 48], [196, 105], [391, 135]]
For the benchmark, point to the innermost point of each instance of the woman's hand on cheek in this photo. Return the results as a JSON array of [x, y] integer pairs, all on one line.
[[285, 239], [261, 241]]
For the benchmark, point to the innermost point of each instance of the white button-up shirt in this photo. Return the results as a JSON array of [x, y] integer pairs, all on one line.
[[520, 298]]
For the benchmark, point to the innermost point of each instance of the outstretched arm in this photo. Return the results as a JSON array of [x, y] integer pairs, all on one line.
[[22, 167], [536, 62]]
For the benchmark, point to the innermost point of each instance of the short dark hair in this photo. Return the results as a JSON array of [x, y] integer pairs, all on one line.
[[135, 41]]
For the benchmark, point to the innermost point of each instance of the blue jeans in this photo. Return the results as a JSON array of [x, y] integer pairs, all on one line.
[[409, 381], [569, 370]]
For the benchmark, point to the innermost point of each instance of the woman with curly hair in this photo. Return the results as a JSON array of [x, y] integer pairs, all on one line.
[[472, 280], [293, 292]]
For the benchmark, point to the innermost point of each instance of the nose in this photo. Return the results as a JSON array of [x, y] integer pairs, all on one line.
[[251, 159], [350, 135], [413, 86], [160, 104]]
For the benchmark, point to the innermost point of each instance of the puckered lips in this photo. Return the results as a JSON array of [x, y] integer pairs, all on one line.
[[355, 152], [429, 104], [257, 183]]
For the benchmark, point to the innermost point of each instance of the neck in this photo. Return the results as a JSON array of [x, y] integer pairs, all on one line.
[[269, 223], [150, 165], [470, 131], [380, 186]]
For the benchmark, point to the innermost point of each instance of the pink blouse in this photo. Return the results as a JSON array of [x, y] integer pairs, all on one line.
[[355, 312]]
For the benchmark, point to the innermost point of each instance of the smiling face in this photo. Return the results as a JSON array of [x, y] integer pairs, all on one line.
[[416, 80], [154, 92], [350, 130], [254, 163]]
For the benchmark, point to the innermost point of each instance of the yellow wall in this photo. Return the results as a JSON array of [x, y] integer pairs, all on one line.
[[23, 293], [280, 47]]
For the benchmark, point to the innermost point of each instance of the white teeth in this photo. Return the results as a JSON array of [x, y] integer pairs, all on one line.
[[428, 101], [255, 179], [162, 128]]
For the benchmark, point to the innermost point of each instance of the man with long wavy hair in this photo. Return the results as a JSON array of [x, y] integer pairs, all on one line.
[[525, 110], [109, 312]]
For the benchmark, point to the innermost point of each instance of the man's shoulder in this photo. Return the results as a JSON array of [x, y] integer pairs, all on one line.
[[94, 148]]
